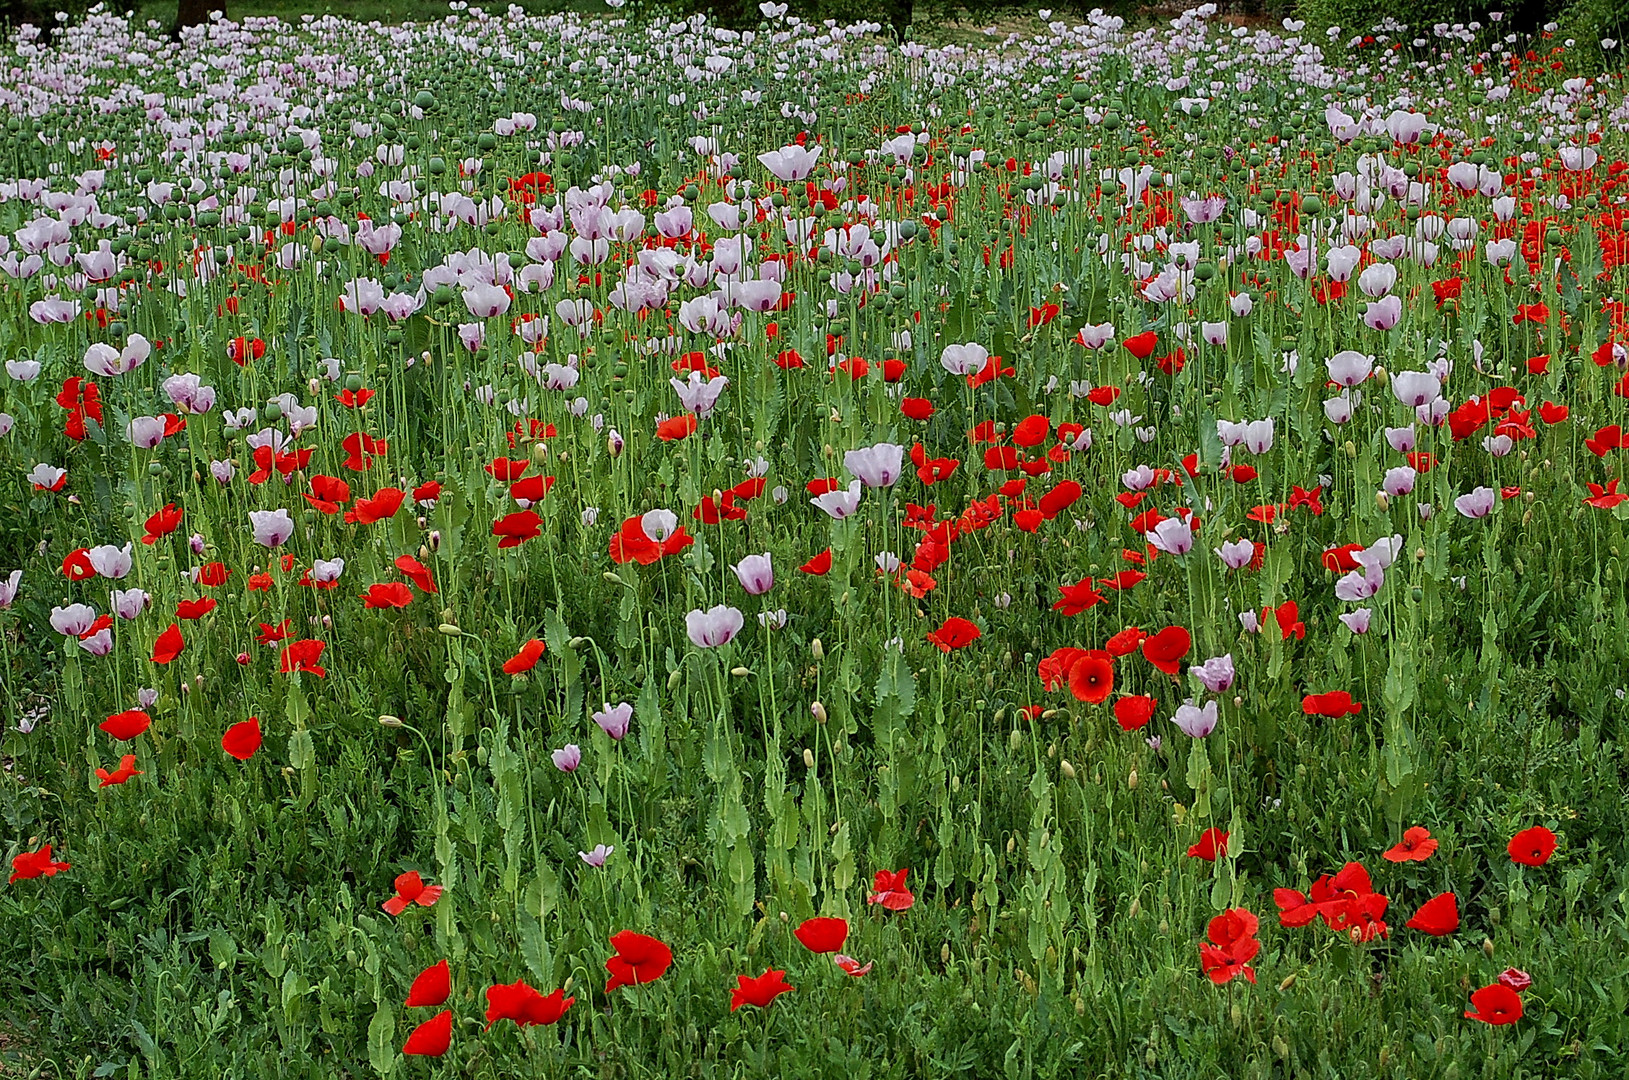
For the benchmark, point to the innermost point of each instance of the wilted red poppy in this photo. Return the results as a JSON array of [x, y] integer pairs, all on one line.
[[956, 633], [1416, 846], [850, 966], [524, 1005], [411, 889], [1091, 678], [1134, 711], [242, 739], [1166, 649], [1495, 1004], [639, 959], [416, 572], [126, 725], [1212, 845], [431, 1038], [888, 889], [526, 659], [127, 769], [515, 529], [822, 934], [432, 987], [1532, 847], [170, 644], [35, 864], [758, 991], [1438, 916]]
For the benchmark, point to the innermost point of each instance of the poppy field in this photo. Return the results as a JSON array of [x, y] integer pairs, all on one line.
[[616, 547]]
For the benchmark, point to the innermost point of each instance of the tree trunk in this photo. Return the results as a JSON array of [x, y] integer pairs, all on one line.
[[192, 12]]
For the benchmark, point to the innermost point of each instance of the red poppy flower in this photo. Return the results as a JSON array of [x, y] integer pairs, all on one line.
[[916, 408], [1166, 649], [431, 1038], [1552, 413], [760, 991], [411, 889], [677, 428], [384, 504], [303, 655], [1031, 431], [127, 769], [517, 528], [893, 370], [1232, 945], [163, 523], [390, 594], [126, 725], [526, 659], [1605, 498], [432, 987], [242, 739], [1438, 916], [1134, 711], [212, 575], [1125, 579], [1335, 704], [505, 470], [1495, 1004], [170, 644], [1125, 642], [1142, 345], [1091, 678], [416, 572], [1077, 598], [822, 934], [819, 564], [1288, 616], [888, 889], [194, 609], [1060, 498], [639, 959], [532, 489], [1212, 845], [1532, 847], [35, 864], [524, 1005], [76, 565], [956, 633], [1416, 846], [427, 493]]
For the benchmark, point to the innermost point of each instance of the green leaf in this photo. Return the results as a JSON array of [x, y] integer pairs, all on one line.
[[382, 1040]]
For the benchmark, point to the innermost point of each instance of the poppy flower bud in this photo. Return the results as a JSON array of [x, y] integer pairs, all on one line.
[[1280, 1047], [1011, 845], [387, 720], [740, 672], [613, 443], [673, 681], [540, 452], [1131, 781], [450, 629], [1350, 448], [1381, 501], [243, 658], [1419, 554], [1067, 769], [1016, 739], [435, 540], [1165, 928], [424, 552], [944, 953], [817, 650], [818, 711], [1487, 948], [808, 758], [1136, 908], [313, 387], [1236, 1014]]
